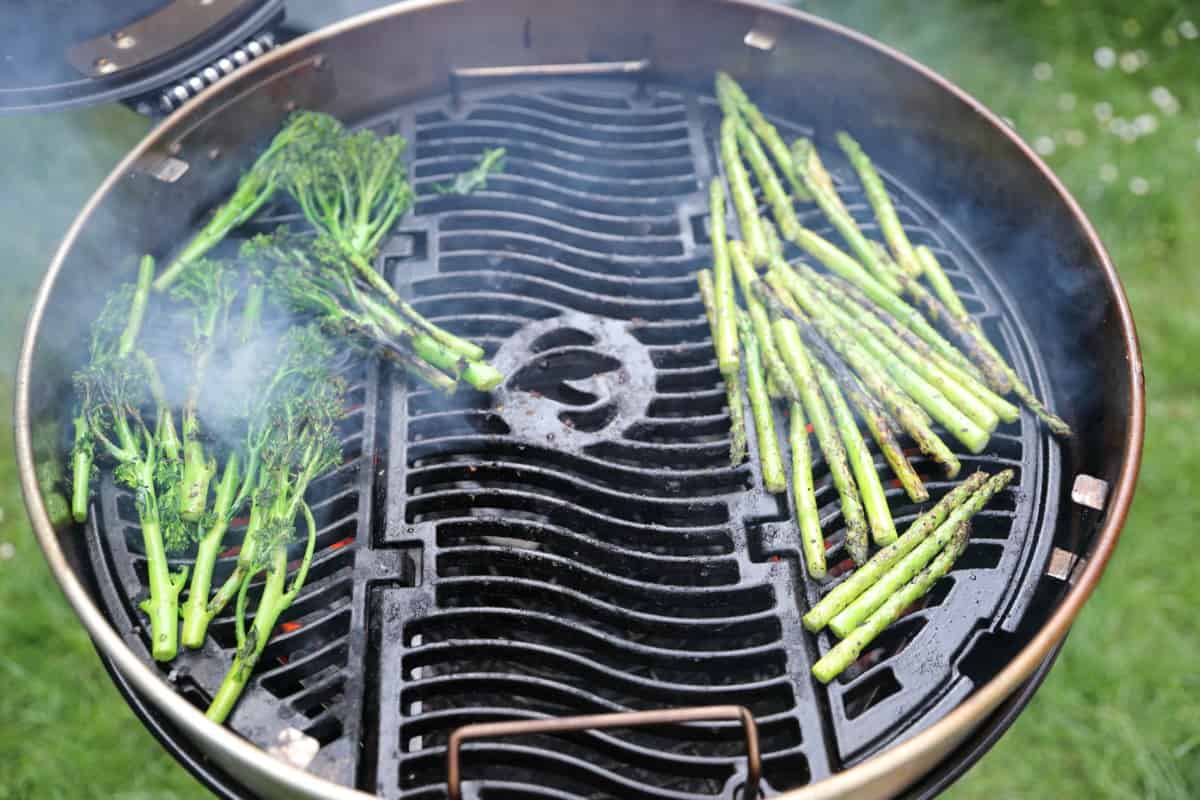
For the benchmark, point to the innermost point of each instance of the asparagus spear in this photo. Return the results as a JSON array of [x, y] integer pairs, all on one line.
[[885, 212], [941, 285], [743, 195], [774, 243], [846, 267], [862, 578], [906, 567], [732, 97], [835, 211], [746, 277], [964, 428], [967, 334], [777, 196], [806, 155], [904, 363], [780, 303], [906, 412], [936, 276], [808, 520], [845, 652], [733, 381], [769, 457], [884, 435], [725, 337], [910, 346], [794, 355], [879, 516]]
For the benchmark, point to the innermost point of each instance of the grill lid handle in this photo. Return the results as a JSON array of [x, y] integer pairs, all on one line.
[[629, 719]]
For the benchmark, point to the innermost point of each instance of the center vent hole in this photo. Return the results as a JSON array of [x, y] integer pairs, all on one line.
[[548, 374]]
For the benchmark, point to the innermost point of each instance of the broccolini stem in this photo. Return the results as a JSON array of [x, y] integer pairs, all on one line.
[[137, 309], [247, 556], [478, 373], [468, 350], [195, 609], [420, 369], [82, 457], [251, 322], [275, 599]]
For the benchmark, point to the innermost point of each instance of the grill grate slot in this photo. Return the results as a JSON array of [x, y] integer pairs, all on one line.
[[578, 542]]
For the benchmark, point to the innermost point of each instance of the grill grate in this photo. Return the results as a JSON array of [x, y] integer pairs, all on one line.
[[577, 542]]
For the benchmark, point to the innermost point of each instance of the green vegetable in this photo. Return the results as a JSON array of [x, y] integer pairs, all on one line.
[[112, 389], [845, 652], [733, 381], [808, 518], [304, 130], [770, 459], [209, 288], [490, 163], [296, 432], [885, 212], [862, 578], [904, 568]]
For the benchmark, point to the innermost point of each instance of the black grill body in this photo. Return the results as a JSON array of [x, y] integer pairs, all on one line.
[[577, 542]]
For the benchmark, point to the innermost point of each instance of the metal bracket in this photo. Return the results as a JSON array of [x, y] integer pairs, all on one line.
[[153, 36], [1064, 565], [1089, 491], [629, 719]]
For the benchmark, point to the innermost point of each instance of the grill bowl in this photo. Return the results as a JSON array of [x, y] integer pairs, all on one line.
[[1043, 255]]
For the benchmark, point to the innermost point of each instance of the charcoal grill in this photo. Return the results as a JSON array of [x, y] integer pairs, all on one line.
[[577, 543]]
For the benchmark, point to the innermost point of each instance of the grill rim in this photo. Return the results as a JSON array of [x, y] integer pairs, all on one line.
[[894, 768]]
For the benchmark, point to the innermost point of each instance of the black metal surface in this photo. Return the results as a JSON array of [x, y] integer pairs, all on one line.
[[36, 75], [577, 542], [940, 778]]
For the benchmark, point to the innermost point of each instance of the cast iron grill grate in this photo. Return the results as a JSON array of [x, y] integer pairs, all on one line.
[[577, 542]]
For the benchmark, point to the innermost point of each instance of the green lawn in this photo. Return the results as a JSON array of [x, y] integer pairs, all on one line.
[[1120, 714]]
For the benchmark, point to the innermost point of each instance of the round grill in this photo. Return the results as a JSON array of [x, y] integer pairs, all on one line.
[[578, 543]]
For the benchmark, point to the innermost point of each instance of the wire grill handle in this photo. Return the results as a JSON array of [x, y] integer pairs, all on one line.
[[630, 719], [460, 75]]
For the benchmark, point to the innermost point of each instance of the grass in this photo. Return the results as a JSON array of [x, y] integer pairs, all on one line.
[[1120, 713]]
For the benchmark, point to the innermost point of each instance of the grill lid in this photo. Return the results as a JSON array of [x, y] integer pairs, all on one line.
[[62, 53]]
